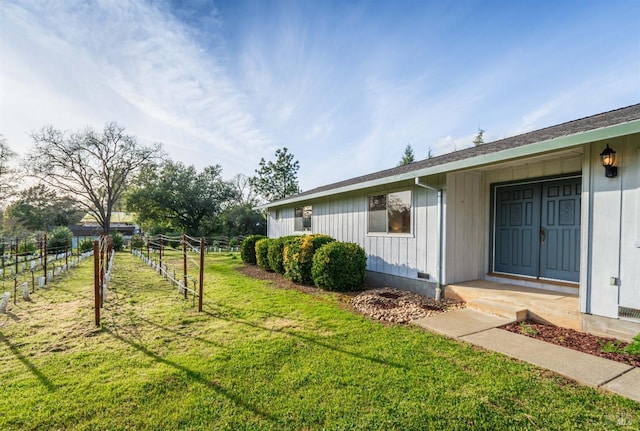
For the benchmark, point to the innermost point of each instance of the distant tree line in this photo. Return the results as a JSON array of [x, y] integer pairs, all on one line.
[[99, 172]]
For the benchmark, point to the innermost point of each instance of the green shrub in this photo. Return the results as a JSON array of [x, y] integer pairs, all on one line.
[[118, 241], [58, 240], [339, 266], [298, 256], [248, 249], [137, 242], [85, 245], [262, 249], [276, 252], [29, 247], [634, 347]]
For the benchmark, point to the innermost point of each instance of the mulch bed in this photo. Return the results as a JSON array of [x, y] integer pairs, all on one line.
[[572, 339]]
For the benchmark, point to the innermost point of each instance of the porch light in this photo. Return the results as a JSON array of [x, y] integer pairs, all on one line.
[[608, 157]]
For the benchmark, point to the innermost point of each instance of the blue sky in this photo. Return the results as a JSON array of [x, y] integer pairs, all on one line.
[[345, 85]]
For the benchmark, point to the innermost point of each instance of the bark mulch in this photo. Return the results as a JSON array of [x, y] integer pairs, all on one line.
[[576, 340]]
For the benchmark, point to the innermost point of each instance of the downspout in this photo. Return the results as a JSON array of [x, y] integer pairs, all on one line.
[[440, 234]]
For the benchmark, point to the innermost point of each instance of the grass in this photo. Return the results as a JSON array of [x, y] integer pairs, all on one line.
[[260, 357]]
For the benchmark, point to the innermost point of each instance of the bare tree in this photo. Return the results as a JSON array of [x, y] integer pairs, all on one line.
[[246, 194], [6, 173], [93, 168]]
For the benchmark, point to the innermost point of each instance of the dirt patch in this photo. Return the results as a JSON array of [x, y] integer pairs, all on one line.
[[576, 340]]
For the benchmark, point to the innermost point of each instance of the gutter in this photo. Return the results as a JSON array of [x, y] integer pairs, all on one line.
[[440, 233]]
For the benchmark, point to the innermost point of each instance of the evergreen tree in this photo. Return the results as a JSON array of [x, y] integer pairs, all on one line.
[[478, 140], [277, 180], [408, 156]]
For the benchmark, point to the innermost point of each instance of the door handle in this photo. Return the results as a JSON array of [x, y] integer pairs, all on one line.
[[543, 235]]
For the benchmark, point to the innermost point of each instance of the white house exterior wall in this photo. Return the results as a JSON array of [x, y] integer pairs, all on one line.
[[466, 227], [612, 272], [281, 226], [345, 219]]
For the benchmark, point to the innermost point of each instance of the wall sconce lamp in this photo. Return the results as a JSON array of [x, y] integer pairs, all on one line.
[[608, 157]]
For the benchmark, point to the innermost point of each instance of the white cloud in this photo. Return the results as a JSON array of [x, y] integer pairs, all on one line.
[[129, 62]]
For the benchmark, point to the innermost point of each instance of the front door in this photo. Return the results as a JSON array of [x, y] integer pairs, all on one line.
[[537, 229]]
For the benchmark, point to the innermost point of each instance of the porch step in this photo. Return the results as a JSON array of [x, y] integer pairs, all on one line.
[[518, 302]]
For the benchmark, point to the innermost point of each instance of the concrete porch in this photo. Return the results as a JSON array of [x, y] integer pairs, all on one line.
[[519, 302]]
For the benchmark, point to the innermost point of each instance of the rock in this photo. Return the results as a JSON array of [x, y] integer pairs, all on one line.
[[400, 306]]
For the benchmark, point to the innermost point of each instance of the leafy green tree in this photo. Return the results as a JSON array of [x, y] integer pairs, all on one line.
[[58, 239], [241, 220], [408, 156], [276, 180], [95, 168], [39, 207], [479, 139], [176, 196]]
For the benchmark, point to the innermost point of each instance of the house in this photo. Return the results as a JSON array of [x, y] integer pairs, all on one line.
[[89, 227], [535, 215]]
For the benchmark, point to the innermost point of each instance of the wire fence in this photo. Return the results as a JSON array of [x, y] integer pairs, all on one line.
[[28, 264], [179, 272]]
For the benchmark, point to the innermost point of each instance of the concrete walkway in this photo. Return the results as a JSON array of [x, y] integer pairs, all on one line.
[[480, 329]]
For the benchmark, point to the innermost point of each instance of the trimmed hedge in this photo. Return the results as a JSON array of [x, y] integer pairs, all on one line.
[[262, 248], [248, 249], [276, 252], [339, 266], [298, 256]]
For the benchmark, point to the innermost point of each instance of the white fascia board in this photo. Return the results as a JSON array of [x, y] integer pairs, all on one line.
[[562, 142]]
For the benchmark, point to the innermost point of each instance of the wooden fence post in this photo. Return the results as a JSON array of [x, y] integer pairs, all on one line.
[[160, 257], [44, 259], [96, 280], [17, 255], [102, 264], [184, 263], [201, 274]]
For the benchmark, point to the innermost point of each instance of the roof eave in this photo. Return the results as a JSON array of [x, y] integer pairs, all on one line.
[[562, 142]]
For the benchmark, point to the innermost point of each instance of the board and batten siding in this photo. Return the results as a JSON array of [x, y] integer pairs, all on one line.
[[614, 213], [344, 218], [466, 226]]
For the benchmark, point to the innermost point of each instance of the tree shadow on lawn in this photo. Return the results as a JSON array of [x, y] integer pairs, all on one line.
[[36, 372], [297, 335], [181, 334], [194, 375]]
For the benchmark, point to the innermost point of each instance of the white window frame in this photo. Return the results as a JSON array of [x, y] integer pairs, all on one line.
[[295, 218], [387, 232]]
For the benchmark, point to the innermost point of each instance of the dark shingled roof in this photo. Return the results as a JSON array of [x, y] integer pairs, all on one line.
[[618, 116]]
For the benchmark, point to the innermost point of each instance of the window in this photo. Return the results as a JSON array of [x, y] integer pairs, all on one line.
[[277, 215], [302, 222], [390, 213]]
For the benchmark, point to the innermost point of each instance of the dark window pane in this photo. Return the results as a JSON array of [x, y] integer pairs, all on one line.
[[399, 212]]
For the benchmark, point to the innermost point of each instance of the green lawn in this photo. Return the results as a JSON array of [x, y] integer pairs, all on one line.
[[260, 357]]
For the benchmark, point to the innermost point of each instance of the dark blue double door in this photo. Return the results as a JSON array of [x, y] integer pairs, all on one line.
[[537, 229]]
